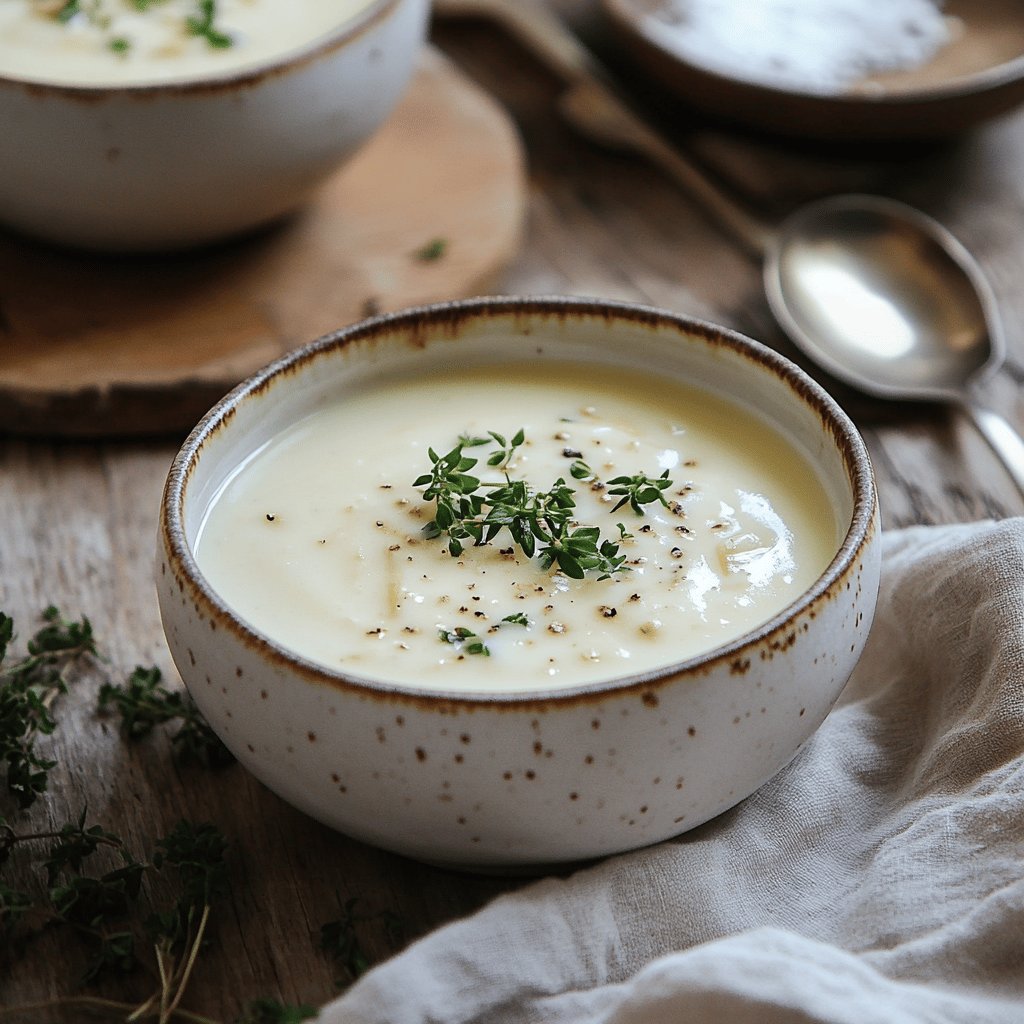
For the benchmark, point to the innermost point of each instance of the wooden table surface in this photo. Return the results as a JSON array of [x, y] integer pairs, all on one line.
[[77, 521]]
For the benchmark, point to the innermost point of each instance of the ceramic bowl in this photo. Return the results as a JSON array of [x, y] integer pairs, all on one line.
[[494, 781], [151, 167], [977, 75]]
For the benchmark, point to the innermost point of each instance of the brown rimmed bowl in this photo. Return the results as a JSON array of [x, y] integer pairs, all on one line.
[[193, 161], [510, 780]]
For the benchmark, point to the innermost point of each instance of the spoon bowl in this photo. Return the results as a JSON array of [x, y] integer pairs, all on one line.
[[886, 299], [883, 297]]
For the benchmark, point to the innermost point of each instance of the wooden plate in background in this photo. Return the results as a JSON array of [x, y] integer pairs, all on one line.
[[102, 346]]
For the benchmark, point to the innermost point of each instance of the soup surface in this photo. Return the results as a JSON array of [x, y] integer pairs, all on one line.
[[139, 42], [322, 539]]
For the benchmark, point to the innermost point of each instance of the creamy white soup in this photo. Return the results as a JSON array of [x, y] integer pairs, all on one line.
[[116, 42], [325, 541]]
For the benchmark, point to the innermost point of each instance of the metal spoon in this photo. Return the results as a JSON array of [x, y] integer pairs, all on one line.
[[887, 300], [877, 293]]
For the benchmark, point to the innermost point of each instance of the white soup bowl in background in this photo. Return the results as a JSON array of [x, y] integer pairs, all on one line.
[[489, 780], [170, 164]]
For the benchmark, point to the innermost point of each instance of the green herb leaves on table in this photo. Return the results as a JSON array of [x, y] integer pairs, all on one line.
[[29, 689], [120, 913], [143, 704]]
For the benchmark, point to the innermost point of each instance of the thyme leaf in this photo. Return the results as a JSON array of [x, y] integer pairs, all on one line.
[[432, 250], [202, 23], [639, 490], [503, 456], [68, 10], [471, 643]]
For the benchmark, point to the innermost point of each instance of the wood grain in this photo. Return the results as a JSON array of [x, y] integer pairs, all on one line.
[[78, 521]]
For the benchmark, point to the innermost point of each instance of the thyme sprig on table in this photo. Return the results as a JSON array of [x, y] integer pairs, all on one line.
[[29, 688], [108, 912], [541, 523], [83, 880], [100, 908], [143, 704]]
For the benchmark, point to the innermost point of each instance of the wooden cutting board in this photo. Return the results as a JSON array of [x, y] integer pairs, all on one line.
[[106, 346]]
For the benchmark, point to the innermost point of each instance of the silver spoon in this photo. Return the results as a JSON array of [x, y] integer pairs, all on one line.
[[877, 293], [887, 300]]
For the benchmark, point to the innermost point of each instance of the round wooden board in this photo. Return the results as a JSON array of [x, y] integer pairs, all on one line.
[[102, 346]]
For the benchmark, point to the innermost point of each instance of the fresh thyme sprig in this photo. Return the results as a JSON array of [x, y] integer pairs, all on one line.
[[143, 704], [28, 690], [99, 907], [540, 522], [110, 910], [639, 490], [196, 853], [203, 24], [501, 458], [432, 250]]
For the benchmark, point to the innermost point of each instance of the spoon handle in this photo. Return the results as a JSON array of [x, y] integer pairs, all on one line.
[[592, 107], [1002, 438]]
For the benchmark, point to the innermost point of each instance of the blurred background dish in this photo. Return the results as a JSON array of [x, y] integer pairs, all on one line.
[[838, 71], [145, 164], [432, 207]]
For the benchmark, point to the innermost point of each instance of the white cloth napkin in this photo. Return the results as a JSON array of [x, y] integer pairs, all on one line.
[[878, 878]]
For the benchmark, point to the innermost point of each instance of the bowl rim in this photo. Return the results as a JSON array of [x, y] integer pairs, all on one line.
[[985, 80], [447, 316], [247, 76]]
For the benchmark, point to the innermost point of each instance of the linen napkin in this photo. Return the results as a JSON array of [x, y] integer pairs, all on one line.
[[878, 878]]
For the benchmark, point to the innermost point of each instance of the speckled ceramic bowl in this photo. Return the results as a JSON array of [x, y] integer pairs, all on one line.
[[494, 781], [149, 167]]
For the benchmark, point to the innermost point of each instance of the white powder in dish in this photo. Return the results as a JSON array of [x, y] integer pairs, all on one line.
[[817, 46]]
